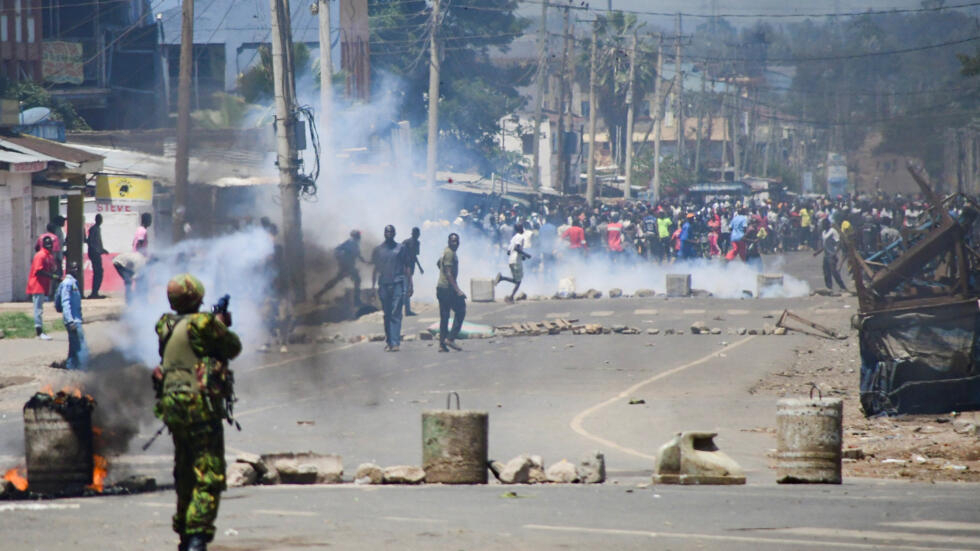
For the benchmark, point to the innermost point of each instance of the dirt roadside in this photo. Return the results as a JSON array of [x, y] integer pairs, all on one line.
[[915, 447]]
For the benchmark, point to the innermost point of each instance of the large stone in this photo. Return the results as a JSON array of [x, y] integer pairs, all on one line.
[[592, 468], [653, 331], [562, 472], [253, 459], [369, 473], [615, 292], [693, 458], [305, 468], [678, 285], [699, 327], [517, 470], [481, 289], [536, 474], [520, 296], [593, 293], [241, 474], [643, 293], [404, 474]]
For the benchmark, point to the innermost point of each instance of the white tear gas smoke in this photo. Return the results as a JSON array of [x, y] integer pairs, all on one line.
[[366, 187], [237, 264]]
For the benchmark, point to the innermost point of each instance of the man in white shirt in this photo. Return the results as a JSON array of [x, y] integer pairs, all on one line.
[[516, 258], [831, 250]]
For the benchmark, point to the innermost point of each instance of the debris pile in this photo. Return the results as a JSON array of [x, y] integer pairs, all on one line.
[[918, 312], [530, 469]]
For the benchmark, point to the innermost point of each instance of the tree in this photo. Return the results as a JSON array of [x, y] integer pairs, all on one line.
[[475, 94], [255, 84], [612, 72], [30, 94]]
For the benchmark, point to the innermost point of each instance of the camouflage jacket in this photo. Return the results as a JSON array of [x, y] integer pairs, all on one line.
[[212, 345]]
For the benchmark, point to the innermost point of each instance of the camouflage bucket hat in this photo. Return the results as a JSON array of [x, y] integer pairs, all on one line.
[[185, 293]]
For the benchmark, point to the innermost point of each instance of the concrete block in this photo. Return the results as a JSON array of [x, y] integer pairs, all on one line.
[[305, 468], [241, 474], [768, 284], [591, 468], [517, 470], [369, 473], [481, 289], [678, 285], [404, 474], [693, 458]]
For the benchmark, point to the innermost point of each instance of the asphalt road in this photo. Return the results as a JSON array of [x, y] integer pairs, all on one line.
[[557, 396]]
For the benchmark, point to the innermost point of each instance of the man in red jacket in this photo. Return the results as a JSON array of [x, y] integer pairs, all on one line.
[[39, 283]]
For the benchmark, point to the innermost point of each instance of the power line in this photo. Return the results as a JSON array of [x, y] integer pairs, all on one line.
[[757, 15]]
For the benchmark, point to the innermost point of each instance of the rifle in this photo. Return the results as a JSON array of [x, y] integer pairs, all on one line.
[[154, 437], [227, 382]]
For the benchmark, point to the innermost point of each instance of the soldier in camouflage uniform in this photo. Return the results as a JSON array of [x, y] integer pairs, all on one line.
[[194, 392]]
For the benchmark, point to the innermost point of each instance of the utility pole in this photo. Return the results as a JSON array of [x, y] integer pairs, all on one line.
[[561, 168], [658, 89], [430, 164], [539, 97], [593, 104], [285, 91], [183, 119], [736, 116], [326, 74], [629, 119], [679, 93], [697, 145]]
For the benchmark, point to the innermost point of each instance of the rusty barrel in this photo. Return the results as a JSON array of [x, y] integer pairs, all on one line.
[[59, 448], [454, 446], [809, 436]]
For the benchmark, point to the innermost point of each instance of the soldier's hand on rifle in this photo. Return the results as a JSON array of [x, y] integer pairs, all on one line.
[[225, 318]]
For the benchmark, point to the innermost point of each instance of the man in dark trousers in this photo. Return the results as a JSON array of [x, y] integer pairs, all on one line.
[[347, 255], [193, 385], [95, 252], [831, 251], [414, 247], [390, 261], [450, 297]]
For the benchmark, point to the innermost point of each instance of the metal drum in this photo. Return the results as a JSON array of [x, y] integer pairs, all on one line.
[[454, 445], [809, 437], [59, 448]]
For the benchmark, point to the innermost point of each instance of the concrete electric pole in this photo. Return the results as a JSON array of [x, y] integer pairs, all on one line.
[[539, 97], [183, 120], [294, 267], [627, 193], [658, 117], [326, 75], [593, 108], [431, 157], [561, 106], [679, 94]]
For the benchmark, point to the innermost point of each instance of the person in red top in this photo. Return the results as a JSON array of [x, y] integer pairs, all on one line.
[[39, 283], [614, 237], [575, 236]]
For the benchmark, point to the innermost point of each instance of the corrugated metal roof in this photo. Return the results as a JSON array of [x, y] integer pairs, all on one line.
[[54, 151], [12, 157]]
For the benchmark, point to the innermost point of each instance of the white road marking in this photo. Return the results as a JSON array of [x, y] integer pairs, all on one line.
[[37, 506], [157, 505], [645, 312], [299, 358], [277, 512], [602, 313], [558, 315], [694, 311], [736, 312], [936, 525], [973, 542], [411, 519], [576, 423], [786, 543], [427, 320]]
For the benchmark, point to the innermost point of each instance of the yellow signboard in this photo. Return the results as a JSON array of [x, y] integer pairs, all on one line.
[[123, 190]]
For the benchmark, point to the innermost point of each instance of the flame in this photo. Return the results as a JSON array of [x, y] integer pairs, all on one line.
[[48, 389], [14, 477], [98, 473]]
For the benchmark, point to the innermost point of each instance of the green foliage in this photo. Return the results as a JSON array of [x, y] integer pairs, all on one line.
[[256, 84], [474, 94], [612, 70], [18, 325], [31, 94], [232, 112], [674, 177]]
